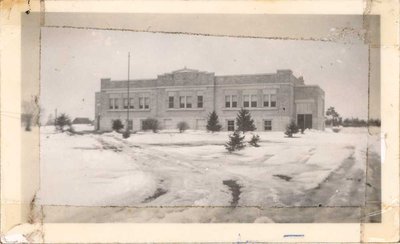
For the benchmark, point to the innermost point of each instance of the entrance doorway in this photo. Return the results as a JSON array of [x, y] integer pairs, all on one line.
[[304, 121]]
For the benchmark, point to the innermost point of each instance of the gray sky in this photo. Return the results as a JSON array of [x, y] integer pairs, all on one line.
[[74, 60]]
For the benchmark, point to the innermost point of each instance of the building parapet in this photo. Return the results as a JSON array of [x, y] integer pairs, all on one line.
[[186, 77]]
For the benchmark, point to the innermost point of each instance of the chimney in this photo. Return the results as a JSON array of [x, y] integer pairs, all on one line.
[[104, 82], [284, 75], [284, 72], [301, 80]]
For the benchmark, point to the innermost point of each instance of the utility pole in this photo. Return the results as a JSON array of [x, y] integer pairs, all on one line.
[[127, 132], [127, 111]]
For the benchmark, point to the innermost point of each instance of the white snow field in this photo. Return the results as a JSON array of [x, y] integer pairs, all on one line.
[[194, 179]]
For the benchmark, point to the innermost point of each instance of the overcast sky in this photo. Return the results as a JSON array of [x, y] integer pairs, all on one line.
[[74, 60]]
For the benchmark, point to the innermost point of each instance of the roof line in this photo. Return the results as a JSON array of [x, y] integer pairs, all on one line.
[[246, 74], [133, 80], [198, 71]]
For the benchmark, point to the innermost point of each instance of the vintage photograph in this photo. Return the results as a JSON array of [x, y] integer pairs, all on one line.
[[149, 127]]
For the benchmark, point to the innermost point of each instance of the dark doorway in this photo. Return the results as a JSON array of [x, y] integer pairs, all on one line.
[[304, 121]]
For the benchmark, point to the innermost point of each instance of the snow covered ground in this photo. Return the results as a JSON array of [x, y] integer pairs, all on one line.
[[82, 127], [176, 170]]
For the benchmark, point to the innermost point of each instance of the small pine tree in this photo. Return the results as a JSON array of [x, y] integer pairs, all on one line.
[[182, 126], [213, 124], [244, 121], [291, 129], [333, 116], [255, 139], [117, 125], [62, 121], [235, 143]]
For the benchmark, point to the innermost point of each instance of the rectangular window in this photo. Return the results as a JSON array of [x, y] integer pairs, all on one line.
[[253, 101], [141, 102], [144, 102], [182, 101], [116, 103], [267, 125], [199, 101], [231, 125], [185, 102], [231, 101], [266, 100], [125, 103], [234, 101], [246, 101], [111, 101], [273, 100], [227, 101], [130, 124], [170, 102], [131, 103], [189, 102]]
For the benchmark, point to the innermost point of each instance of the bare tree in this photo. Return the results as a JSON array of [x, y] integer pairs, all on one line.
[[30, 113]]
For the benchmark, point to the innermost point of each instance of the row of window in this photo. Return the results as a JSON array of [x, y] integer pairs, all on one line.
[[130, 124], [185, 101], [267, 125], [231, 101], [230, 125], [250, 101], [144, 103]]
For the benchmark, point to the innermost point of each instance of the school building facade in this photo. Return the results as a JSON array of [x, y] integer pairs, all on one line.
[[190, 95]]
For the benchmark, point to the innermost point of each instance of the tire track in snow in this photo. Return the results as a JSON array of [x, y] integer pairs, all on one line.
[[336, 182], [151, 154], [170, 181]]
